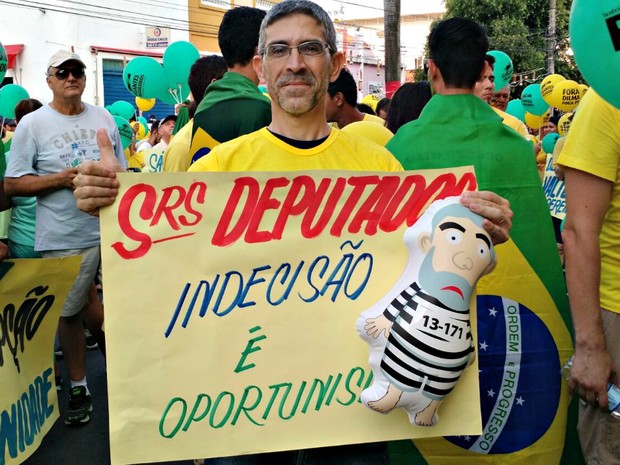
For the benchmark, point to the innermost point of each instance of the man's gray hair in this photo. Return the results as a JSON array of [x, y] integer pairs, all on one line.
[[291, 7]]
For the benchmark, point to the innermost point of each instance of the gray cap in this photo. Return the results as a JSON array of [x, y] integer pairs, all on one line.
[[62, 56]]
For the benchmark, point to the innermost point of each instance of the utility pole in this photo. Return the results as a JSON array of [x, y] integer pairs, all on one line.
[[391, 27], [551, 40]]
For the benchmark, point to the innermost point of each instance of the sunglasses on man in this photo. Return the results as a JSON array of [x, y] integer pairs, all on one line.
[[63, 73]]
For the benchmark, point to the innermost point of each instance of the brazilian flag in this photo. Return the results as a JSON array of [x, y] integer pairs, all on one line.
[[523, 318]]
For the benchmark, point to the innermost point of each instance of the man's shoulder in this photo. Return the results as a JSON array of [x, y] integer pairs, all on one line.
[[233, 112], [240, 141], [374, 119], [227, 120], [368, 151], [95, 112], [43, 114], [508, 119], [222, 155], [242, 106], [95, 108]]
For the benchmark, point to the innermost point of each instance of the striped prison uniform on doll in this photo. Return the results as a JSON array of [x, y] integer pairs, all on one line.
[[429, 344]]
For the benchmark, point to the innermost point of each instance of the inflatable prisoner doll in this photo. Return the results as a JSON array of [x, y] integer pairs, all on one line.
[[419, 334]]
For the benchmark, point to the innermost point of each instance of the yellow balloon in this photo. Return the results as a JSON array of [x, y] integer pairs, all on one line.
[[372, 131], [584, 89], [145, 104], [535, 122], [547, 85], [564, 124], [141, 134], [371, 100], [566, 95]]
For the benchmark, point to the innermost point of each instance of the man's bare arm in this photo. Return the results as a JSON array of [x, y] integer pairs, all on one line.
[[587, 200], [31, 185]]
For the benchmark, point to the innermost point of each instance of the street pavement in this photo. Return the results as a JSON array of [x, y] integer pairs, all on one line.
[[88, 444]]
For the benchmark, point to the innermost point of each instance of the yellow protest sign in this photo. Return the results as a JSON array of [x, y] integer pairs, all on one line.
[[554, 190], [153, 160], [231, 304], [32, 293]]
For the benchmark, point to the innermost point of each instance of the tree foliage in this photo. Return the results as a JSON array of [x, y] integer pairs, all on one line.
[[520, 28]]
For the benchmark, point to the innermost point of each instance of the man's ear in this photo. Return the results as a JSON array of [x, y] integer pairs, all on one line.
[[433, 71], [338, 99], [257, 64], [337, 64], [424, 242]]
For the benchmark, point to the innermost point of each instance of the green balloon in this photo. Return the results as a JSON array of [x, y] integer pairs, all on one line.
[[4, 62], [123, 109], [11, 95], [549, 141], [125, 130], [532, 100], [178, 59], [145, 77], [595, 39], [502, 69], [143, 120], [515, 108], [168, 95]]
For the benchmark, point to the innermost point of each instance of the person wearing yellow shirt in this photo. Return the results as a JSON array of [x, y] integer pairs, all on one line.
[[297, 58], [341, 102], [591, 162]]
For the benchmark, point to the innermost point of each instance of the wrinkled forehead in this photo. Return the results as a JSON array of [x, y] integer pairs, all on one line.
[[295, 25]]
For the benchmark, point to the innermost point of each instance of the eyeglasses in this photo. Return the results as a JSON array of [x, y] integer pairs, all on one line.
[[63, 73], [311, 48]]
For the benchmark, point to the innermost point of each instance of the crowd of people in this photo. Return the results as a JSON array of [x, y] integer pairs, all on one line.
[[58, 177]]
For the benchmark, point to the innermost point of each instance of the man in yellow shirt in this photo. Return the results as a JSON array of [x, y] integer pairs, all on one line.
[[591, 162], [341, 102], [298, 57]]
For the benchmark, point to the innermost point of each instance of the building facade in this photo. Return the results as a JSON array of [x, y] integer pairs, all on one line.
[[106, 36], [109, 35]]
